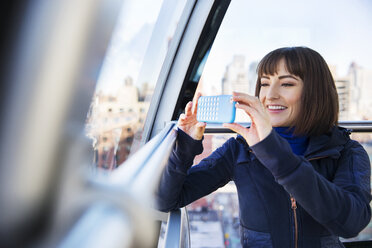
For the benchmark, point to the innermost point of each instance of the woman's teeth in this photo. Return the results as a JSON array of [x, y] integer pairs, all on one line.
[[276, 107]]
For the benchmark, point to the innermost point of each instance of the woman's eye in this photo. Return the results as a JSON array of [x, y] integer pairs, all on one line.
[[264, 84], [287, 84]]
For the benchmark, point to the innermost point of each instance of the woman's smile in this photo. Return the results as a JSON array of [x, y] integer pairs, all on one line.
[[275, 108]]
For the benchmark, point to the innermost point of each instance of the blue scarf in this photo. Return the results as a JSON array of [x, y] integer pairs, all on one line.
[[297, 143]]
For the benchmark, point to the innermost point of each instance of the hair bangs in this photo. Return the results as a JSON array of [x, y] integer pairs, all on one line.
[[268, 65], [293, 62]]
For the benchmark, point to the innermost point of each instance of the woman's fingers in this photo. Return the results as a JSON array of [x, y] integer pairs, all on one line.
[[195, 105], [249, 134], [261, 125], [246, 99], [201, 124], [188, 122], [236, 128], [182, 117], [252, 106], [188, 109], [247, 108], [182, 120], [254, 114], [188, 117]]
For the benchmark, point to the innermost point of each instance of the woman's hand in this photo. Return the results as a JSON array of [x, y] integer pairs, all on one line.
[[261, 125], [188, 123]]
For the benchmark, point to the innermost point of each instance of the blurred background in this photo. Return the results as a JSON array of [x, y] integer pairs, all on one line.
[[78, 79]]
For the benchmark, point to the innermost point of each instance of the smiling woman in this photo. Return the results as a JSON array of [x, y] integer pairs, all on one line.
[[300, 179], [302, 79]]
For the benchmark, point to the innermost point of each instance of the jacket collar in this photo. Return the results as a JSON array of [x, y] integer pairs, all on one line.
[[328, 145], [325, 145]]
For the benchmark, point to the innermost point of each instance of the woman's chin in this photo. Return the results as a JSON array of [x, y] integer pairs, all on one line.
[[276, 123]]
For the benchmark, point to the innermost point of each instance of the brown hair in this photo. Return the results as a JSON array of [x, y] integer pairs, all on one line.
[[319, 100]]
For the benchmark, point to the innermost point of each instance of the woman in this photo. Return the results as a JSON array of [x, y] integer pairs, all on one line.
[[301, 181]]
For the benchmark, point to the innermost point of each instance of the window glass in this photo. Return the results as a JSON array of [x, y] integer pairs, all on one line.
[[338, 29], [128, 76], [214, 219]]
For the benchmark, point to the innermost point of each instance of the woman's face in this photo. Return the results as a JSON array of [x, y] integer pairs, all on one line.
[[281, 96]]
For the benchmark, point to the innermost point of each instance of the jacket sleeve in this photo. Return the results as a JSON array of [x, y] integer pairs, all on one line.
[[182, 184], [342, 206]]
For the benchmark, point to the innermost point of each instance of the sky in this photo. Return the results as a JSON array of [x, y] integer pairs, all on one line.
[[340, 30], [128, 44]]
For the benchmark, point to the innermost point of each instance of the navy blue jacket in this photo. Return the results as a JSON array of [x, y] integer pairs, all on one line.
[[330, 183]]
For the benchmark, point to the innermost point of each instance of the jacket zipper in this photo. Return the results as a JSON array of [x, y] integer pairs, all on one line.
[[294, 207], [310, 159]]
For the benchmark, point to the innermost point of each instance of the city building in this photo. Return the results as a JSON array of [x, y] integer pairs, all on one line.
[[360, 95], [354, 93], [236, 78], [343, 90], [115, 121], [252, 77]]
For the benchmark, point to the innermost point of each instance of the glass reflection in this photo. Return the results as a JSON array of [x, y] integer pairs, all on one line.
[[128, 77]]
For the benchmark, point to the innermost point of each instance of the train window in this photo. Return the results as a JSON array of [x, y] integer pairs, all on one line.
[[338, 30], [128, 76]]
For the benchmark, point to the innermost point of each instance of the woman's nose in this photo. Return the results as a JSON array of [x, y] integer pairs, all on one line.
[[272, 92]]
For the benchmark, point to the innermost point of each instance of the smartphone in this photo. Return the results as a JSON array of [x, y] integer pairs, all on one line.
[[216, 109]]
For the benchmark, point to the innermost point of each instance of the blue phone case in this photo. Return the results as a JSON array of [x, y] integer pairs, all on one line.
[[216, 109]]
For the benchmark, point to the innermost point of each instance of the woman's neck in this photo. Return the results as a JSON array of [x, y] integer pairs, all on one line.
[[297, 143]]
